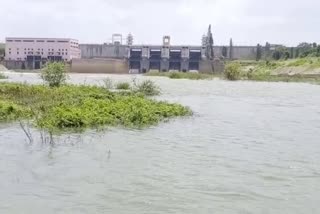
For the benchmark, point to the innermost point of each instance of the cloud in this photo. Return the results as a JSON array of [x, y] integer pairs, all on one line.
[[246, 21]]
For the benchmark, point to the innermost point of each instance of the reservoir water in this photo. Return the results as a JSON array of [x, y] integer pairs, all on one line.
[[251, 147]]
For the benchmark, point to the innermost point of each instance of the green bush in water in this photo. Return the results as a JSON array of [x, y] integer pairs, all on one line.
[[124, 111], [147, 87], [123, 86], [10, 111], [54, 74], [233, 71], [108, 83], [78, 107], [175, 75], [2, 76]]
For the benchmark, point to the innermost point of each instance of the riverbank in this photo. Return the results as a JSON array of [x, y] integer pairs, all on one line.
[[305, 70], [294, 70], [82, 106], [184, 75]]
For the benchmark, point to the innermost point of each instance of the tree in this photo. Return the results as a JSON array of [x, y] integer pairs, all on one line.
[[2, 51], [276, 55], [209, 48], [267, 51], [267, 47], [231, 49], [304, 49], [281, 52], [286, 55], [224, 51], [297, 54], [54, 74], [233, 71], [314, 45], [291, 52], [259, 52]]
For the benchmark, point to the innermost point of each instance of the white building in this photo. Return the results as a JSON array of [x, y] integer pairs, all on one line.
[[35, 50]]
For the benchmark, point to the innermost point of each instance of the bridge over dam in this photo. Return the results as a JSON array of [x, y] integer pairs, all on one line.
[[144, 58]]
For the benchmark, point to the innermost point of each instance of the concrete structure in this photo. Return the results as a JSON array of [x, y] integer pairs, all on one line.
[[164, 58], [119, 66], [32, 53], [114, 51]]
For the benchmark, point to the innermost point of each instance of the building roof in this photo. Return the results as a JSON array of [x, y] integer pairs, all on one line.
[[37, 38]]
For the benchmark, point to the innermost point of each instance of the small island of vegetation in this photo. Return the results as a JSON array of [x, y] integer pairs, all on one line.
[[57, 106]]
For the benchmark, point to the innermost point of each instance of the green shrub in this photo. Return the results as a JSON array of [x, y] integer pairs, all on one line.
[[233, 71], [298, 62], [147, 87], [108, 83], [181, 75], [123, 86], [10, 111], [175, 75], [79, 106], [54, 74], [2, 76]]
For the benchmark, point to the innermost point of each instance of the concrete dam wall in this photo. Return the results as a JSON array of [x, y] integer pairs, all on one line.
[[122, 51], [111, 66], [89, 51], [108, 58]]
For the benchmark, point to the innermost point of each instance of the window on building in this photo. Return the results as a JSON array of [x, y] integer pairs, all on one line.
[[17, 53], [50, 41], [28, 40], [9, 52], [40, 40], [41, 53], [25, 52], [17, 40], [9, 40]]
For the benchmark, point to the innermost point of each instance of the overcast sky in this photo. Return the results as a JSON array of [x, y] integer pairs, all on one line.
[[248, 22]]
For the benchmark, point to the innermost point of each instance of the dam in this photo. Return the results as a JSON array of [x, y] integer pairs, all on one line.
[[165, 57]]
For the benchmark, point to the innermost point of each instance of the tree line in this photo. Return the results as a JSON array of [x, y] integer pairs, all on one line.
[[280, 52]]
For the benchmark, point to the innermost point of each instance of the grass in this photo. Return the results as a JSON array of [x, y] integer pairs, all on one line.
[[147, 87], [123, 86], [2, 76], [182, 75], [265, 70], [310, 62], [76, 107]]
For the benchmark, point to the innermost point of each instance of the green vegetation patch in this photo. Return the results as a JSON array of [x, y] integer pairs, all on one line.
[[182, 75], [2, 76], [123, 86], [10, 111], [79, 106]]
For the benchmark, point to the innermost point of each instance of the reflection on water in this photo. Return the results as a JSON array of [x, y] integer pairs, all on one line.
[[249, 148]]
